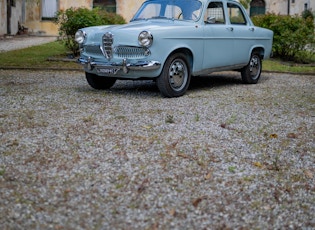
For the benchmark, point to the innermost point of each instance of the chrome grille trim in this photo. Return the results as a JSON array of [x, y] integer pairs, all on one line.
[[93, 50], [107, 45], [131, 51]]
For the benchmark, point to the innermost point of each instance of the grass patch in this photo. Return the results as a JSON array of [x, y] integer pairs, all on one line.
[[287, 67], [37, 57]]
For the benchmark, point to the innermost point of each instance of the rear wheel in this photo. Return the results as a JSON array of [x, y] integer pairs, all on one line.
[[175, 77], [98, 82], [251, 72]]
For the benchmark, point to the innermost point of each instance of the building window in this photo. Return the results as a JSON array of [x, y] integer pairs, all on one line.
[[108, 5], [257, 7], [305, 7], [49, 9]]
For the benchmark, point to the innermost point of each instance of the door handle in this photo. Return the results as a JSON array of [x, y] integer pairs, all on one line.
[[252, 29], [230, 28]]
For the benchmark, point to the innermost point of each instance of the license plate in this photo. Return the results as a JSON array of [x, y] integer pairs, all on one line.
[[108, 70]]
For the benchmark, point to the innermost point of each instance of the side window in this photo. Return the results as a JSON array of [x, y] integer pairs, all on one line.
[[236, 14], [49, 9], [215, 13], [172, 10]]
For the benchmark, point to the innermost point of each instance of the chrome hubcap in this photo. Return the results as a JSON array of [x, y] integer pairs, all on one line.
[[254, 67], [178, 75]]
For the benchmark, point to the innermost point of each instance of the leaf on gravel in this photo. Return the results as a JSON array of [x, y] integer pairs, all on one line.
[[223, 125], [308, 174], [183, 155], [143, 185], [147, 127], [258, 164], [172, 212], [197, 201], [273, 135], [292, 135], [208, 176]]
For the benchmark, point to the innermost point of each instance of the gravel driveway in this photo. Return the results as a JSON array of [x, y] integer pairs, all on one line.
[[224, 156]]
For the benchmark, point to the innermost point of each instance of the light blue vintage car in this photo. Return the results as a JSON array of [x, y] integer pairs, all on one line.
[[170, 41]]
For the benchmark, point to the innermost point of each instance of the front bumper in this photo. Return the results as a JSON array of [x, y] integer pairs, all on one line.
[[113, 68]]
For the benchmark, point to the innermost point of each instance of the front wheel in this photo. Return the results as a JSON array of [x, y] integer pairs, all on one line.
[[175, 77], [251, 72], [98, 82]]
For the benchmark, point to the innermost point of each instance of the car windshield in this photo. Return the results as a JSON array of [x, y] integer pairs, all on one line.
[[169, 9]]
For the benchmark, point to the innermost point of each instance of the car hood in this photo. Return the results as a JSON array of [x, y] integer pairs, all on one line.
[[128, 33]]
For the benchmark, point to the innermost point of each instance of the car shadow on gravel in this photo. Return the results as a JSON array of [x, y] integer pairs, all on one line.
[[217, 80], [213, 81], [149, 88]]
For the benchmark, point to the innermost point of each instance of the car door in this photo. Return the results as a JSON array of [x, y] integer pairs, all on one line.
[[243, 33], [218, 37]]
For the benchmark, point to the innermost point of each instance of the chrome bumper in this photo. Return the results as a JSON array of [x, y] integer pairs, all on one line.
[[113, 68]]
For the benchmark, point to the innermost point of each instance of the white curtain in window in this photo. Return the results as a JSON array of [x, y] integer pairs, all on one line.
[[49, 8]]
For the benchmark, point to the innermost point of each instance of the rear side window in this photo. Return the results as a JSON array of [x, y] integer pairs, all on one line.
[[236, 14], [215, 12]]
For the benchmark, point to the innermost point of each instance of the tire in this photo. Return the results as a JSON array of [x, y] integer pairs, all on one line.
[[98, 82], [175, 77], [251, 72]]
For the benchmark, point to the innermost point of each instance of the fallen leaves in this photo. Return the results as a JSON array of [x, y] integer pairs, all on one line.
[[208, 176], [258, 164], [197, 201], [309, 174], [143, 185], [292, 135], [273, 136]]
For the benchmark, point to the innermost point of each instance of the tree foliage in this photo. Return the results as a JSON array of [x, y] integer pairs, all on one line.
[[245, 3], [293, 35], [72, 19]]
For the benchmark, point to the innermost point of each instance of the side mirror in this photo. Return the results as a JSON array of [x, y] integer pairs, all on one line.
[[210, 20]]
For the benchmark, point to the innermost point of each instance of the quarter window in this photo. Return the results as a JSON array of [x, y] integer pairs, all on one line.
[[236, 14]]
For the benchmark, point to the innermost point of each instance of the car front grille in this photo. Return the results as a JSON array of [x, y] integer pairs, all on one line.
[[92, 50], [107, 45], [131, 52]]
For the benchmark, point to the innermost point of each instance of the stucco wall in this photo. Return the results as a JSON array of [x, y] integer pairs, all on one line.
[[127, 8], [16, 17], [75, 4], [38, 26], [281, 6], [3, 17]]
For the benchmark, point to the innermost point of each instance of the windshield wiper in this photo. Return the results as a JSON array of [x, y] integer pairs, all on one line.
[[159, 17], [138, 19]]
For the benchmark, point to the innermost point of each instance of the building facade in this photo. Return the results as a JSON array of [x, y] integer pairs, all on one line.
[[37, 15]]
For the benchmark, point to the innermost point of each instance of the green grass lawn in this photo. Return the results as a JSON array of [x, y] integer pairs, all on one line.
[[37, 57]]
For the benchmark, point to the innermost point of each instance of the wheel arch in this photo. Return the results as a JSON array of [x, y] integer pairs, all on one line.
[[187, 52], [260, 51]]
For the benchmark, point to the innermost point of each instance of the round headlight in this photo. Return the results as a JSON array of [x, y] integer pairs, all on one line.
[[79, 36], [145, 39]]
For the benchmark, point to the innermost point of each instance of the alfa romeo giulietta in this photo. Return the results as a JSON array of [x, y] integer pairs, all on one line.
[[171, 41]]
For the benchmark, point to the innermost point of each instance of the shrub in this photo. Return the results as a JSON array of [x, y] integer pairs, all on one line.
[[292, 34], [70, 20]]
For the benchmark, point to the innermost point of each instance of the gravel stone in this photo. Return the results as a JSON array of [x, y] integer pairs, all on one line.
[[223, 156]]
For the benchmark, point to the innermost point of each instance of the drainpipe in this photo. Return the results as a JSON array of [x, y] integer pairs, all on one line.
[[288, 7], [9, 13]]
